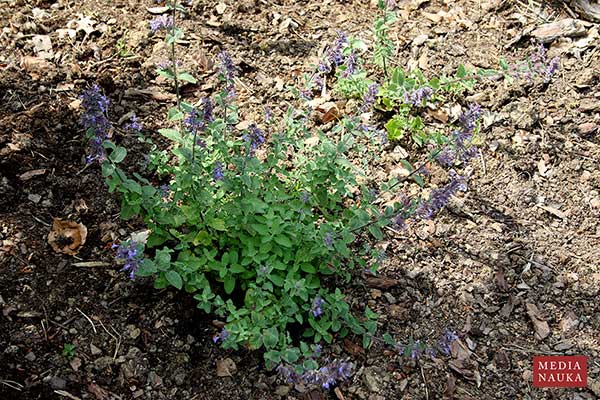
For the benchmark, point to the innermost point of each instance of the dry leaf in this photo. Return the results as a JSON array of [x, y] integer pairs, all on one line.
[[67, 236], [329, 111], [501, 280], [157, 10], [226, 367], [42, 45], [381, 283], [30, 174], [35, 66], [220, 8], [542, 329]]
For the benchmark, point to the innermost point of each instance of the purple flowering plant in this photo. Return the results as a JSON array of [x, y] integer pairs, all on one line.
[[270, 212]]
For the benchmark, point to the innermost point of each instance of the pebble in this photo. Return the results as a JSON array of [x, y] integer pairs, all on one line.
[[58, 383], [390, 298], [282, 390], [30, 356], [95, 351]]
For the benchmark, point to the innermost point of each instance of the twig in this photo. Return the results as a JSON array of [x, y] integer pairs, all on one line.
[[91, 264], [483, 162], [425, 382], [520, 349], [89, 320], [12, 384], [66, 394]]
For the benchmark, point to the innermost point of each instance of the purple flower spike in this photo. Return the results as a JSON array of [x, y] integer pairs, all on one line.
[[369, 98], [162, 22], [418, 96], [218, 172], [95, 122], [316, 309], [224, 334], [128, 252]]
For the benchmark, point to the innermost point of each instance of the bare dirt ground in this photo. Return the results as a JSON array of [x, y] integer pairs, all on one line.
[[513, 265]]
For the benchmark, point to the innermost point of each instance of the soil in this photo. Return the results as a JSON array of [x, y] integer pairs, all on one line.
[[520, 247]]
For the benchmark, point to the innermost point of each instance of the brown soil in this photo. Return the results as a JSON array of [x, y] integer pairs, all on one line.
[[526, 233]]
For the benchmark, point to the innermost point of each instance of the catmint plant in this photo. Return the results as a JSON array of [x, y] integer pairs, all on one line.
[[270, 213]]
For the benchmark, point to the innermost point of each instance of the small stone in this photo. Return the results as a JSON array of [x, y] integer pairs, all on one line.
[[30, 356], [154, 379], [587, 129], [135, 333], [58, 383], [595, 202], [390, 297], [103, 362], [75, 363], [375, 293], [282, 390], [372, 379], [95, 351], [35, 198]]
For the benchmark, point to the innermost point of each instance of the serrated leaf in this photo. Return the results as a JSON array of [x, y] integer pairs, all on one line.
[[187, 77], [174, 279], [175, 114]]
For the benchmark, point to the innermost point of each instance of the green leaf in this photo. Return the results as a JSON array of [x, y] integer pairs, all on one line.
[[283, 241], [270, 337], [172, 134], [174, 279], [376, 232], [132, 186], [217, 224], [107, 169], [184, 76], [175, 114], [165, 73], [290, 355], [229, 284], [118, 154], [147, 268]]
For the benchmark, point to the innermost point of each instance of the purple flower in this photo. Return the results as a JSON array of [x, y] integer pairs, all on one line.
[[369, 98], [128, 252], [328, 239], [161, 22], [198, 121], [224, 334], [552, 67], [227, 68], [460, 146], [268, 114], [134, 124], [254, 137], [334, 54], [164, 190], [416, 97], [326, 376], [350, 64], [440, 197], [316, 309], [95, 122], [218, 172], [305, 197], [445, 343]]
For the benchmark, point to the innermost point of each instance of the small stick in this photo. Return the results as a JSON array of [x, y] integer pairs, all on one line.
[[17, 386], [424, 381], [89, 320], [482, 162]]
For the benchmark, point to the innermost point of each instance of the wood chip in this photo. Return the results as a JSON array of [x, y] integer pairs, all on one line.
[[542, 329], [568, 27]]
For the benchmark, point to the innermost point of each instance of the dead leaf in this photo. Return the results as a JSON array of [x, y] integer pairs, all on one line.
[[501, 280], [67, 236], [338, 394], [157, 10], [450, 387], [42, 45], [542, 329], [508, 307], [567, 27], [329, 111], [568, 322], [226, 367], [75, 363], [352, 348], [381, 283], [35, 66], [25, 176], [438, 114]]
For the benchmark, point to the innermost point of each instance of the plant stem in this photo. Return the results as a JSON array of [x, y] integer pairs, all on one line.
[[173, 58]]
